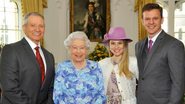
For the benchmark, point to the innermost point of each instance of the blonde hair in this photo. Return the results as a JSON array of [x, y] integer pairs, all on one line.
[[124, 62]]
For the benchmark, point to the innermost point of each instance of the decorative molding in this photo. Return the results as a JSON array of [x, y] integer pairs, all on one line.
[[63, 4], [59, 3], [131, 4], [115, 4], [163, 3], [67, 4], [178, 4]]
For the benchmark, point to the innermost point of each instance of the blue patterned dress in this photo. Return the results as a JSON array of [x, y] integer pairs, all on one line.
[[85, 86]]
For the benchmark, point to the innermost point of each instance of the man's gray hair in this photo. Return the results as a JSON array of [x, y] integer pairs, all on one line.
[[25, 21], [76, 35]]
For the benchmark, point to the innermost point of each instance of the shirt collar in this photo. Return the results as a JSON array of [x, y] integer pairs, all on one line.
[[31, 43], [155, 37]]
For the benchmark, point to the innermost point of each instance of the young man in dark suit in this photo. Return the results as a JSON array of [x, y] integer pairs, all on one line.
[[25, 79], [161, 62]]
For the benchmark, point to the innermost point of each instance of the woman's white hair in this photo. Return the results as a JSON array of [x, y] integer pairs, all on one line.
[[76, 35]]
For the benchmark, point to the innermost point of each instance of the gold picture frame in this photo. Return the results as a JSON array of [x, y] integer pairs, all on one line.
[[79, 20]]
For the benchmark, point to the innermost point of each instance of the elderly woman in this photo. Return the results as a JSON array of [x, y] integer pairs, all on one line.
[[120, 71], [78, 80]]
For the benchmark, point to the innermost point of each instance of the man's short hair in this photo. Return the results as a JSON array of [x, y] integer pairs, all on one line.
[[25, 21], [151, 6]]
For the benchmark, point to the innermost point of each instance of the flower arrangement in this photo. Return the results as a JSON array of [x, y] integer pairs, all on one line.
[[100, 52]]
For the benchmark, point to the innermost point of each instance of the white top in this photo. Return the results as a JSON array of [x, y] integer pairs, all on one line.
[[127, 87]]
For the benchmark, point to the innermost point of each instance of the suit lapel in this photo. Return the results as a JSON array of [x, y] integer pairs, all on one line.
[[142, 55], [47, 63], [153, 50], [31, 56], [30, 52], [48, 66]]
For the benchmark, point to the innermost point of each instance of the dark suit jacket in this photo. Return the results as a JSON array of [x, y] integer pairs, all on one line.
[[161, 72], [20, 76]]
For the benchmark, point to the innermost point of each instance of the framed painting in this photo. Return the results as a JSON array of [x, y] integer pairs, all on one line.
[[91, 16]]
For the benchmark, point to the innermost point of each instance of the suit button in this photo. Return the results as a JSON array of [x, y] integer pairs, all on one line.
[[142, 78]]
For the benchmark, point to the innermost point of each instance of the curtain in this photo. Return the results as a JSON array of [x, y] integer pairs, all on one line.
[[34, 6], [142, 33]]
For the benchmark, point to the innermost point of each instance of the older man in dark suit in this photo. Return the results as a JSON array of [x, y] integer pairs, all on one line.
[[27, 72], [161, 62]]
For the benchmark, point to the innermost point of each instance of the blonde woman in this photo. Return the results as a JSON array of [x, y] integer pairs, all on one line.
[[120, 71]]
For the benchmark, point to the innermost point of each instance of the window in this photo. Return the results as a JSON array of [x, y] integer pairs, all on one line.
[[180, 22], [174, 18], [165, 22], [10, 28]]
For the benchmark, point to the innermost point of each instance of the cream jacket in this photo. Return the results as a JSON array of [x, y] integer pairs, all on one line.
[[126, 86]]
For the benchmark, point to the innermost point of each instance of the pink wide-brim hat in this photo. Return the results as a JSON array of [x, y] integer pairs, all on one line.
[[116, 33]]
